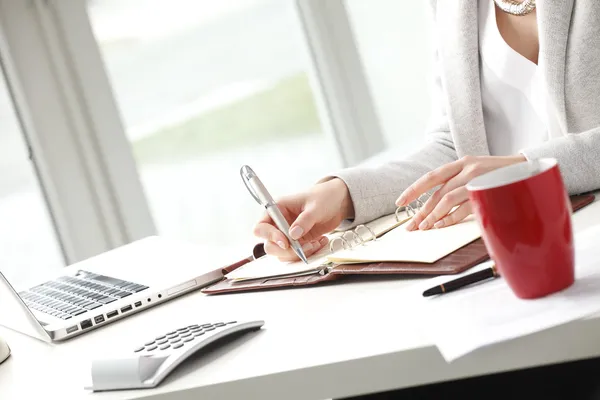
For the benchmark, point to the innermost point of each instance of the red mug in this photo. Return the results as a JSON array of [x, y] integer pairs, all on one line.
[[525, 218]]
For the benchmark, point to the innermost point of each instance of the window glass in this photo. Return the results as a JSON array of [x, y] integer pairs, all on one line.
[[205, 87], [28, 244]]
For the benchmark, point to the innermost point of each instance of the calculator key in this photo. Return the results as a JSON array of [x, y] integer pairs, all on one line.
[[231, 322], [162, 341], [186, 334], [178, 345], [149, 343], [139, 349], [206, 325], [188, 339], [193, 326], [161, 337], [151, 348], [219, 324], [183, 329], [172, 333], [175, 340], [199, 333], [164, 347], [212, 328]]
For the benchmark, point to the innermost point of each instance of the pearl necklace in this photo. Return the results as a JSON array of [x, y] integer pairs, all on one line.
[[515, 8]]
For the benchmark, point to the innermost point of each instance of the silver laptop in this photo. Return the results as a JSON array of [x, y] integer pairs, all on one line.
[[105, 288]]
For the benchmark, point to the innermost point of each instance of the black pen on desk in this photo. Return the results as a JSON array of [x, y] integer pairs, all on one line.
[[462, 281]]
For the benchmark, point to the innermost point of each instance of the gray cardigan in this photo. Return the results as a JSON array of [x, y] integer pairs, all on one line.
[[569, 34]]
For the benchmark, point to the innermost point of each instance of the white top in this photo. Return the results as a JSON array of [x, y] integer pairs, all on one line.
[[516, 110]]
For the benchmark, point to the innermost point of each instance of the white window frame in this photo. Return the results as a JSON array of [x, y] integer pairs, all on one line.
[[68, 116], [68, 113]]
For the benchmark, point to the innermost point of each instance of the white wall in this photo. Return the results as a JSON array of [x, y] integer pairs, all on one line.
[[394, 41]]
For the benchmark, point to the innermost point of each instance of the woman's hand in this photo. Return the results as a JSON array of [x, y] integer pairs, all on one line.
[[311, 215], [436, 212]]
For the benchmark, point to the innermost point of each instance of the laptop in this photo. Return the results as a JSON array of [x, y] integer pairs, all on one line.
[[105, 288]]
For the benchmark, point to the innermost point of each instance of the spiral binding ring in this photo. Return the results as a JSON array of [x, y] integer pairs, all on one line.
[[345, 243], [355, 237], [412, 210], [367, 228]]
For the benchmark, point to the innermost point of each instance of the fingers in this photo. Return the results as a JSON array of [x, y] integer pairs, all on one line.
[[429, 181], [269, 232], [288, 254], [303, 224], [425, 220], [462, 212], [454, 183], [452, 199]]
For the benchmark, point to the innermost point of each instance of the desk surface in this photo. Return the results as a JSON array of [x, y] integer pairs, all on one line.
[[318, 342]]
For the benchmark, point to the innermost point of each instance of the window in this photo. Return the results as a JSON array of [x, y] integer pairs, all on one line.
[[28, 241], [204, 87], [394, 40]]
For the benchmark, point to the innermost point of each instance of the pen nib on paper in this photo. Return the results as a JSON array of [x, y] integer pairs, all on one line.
[[299, 252]]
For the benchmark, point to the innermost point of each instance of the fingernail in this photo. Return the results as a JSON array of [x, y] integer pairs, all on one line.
[[410, 226], [400, 201], [307, 247], [438, 224], [424, 225], [296, 232], [281, 244]]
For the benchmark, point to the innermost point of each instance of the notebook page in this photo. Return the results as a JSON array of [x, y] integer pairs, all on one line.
[[399, 245]]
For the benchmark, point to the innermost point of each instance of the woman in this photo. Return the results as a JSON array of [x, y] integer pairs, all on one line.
[[514, 81]]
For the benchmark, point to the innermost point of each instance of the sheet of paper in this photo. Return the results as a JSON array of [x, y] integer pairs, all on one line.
[[417, 246], [487, 313]]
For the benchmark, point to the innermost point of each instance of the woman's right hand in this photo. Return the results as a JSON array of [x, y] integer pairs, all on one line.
[[311, 215]]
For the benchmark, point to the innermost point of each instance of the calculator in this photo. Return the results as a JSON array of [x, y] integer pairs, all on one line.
[[152, 360]]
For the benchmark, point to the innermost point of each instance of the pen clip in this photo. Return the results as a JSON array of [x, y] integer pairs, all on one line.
[[247, 174]]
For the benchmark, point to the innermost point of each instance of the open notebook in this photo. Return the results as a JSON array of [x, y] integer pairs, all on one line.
[[381, 247], [382, 240]]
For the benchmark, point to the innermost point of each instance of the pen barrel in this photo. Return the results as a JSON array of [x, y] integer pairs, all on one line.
[[261, 192], [279, 220], [469, 279]]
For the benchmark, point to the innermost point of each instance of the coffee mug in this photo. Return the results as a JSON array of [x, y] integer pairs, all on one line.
[[525, 217]]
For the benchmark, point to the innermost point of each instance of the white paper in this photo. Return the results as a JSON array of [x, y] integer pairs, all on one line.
[[489, 312], [401, 245]]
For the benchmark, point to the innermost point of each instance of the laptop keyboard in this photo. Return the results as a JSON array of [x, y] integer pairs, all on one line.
[[69, 296]]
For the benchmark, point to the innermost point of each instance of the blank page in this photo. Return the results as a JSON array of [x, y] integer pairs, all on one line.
[[400, 245]]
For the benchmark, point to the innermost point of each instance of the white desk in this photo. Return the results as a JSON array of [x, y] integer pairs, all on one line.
[[317, 343]]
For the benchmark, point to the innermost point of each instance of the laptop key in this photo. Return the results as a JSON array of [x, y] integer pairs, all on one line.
[[106, 300], [78, 312], [92, 306]]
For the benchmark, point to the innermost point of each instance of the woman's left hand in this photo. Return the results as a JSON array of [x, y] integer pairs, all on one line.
[[452, 177]]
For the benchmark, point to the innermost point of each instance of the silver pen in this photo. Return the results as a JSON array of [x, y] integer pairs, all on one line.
[[262, 196]]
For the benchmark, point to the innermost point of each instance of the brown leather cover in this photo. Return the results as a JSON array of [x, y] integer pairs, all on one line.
[[462, 259]]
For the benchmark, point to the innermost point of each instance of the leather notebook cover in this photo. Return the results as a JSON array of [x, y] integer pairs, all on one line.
[[460, 260]]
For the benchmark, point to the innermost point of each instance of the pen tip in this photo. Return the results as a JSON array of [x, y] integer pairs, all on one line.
[[303, 258]]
